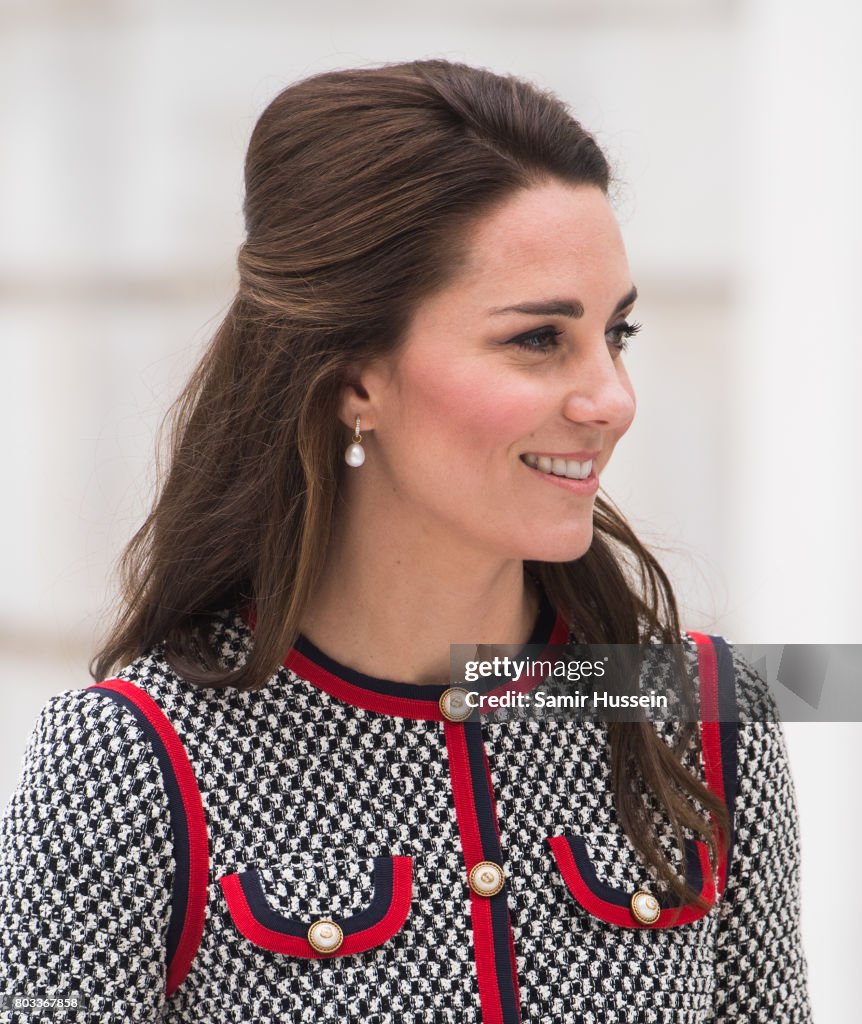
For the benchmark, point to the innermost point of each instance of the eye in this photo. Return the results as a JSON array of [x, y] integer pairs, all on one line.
[[541, 340], [618, 336]]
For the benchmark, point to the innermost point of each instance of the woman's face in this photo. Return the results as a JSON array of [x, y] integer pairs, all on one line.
[[517, 361]]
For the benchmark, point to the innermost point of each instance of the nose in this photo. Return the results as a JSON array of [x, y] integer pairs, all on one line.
[[600, 392]]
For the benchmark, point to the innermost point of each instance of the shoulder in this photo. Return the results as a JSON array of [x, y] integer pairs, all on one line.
[[79, 734], [224, 632], [752, 738], [79, 717], [88, 769], [119, 723], [87, 852], [718, 662], [737, 720]]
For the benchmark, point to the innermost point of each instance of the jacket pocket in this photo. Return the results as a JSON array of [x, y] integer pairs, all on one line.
[[636, 906], [318, 892]]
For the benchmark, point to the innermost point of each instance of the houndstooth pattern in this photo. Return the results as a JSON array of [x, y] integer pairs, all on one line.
[[86, 863], [307, 790]]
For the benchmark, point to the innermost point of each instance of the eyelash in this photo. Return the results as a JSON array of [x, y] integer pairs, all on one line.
[[624, 331]]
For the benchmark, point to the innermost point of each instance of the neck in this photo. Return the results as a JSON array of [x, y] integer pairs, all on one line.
[[391, 611]]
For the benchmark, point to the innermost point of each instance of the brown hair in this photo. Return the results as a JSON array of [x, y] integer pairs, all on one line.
[[361, 187]]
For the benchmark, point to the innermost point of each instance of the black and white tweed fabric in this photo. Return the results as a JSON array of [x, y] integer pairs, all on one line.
[[307, 789]]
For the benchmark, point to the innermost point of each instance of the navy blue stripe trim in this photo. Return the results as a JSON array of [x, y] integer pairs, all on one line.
[[578, 846], [264, 914], [693, 873], [728, 715], [481, 796], [620, 897], [500, 922], [179, 822], [542, 631]]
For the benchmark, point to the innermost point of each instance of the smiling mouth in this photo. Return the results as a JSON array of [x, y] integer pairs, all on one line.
[[571, 469]]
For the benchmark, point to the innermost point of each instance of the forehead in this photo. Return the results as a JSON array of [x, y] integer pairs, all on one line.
[[547, 237]]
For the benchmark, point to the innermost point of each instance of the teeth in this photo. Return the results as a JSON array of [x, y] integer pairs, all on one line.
[[560, 467], [578, 470]]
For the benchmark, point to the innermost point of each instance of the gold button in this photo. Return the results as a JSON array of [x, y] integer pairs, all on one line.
[[325, 936], [453, 704], [645, 907], [486, 878]]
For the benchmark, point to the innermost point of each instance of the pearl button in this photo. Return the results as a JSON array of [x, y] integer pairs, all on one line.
[[453, 704], [645, 907], [325, 936], [486, 878]]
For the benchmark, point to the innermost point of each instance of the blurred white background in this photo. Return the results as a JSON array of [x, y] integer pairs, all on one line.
[[734, 127]]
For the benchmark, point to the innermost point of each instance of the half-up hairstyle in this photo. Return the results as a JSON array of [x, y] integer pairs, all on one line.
[[361, 189]]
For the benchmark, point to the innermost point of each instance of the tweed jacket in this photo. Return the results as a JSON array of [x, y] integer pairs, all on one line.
[[335, 847]]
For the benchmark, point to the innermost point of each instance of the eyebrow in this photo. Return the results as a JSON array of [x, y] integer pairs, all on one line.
[[562, 307]]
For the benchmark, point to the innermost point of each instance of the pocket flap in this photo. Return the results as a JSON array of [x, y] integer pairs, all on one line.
[[635, 908], [328, 934]]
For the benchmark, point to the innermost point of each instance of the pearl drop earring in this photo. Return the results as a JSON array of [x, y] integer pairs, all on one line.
[[355, 453]]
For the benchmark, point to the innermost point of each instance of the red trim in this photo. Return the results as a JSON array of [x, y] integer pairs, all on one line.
[[358, 942], [196, 897], [713, 887], [623, 916], [359, 696], [709, 720], [710, 730], [405, 707], [483, 950], [471, 848]]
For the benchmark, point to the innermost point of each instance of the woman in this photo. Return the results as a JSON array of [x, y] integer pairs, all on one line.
[[394, 443]]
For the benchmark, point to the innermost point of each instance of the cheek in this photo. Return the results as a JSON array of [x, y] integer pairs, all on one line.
[[464, 405]]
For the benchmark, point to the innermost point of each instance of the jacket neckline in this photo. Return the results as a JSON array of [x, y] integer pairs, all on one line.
[[408, 700]]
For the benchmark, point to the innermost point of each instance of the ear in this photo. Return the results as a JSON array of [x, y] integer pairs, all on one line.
[[362, 395]]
